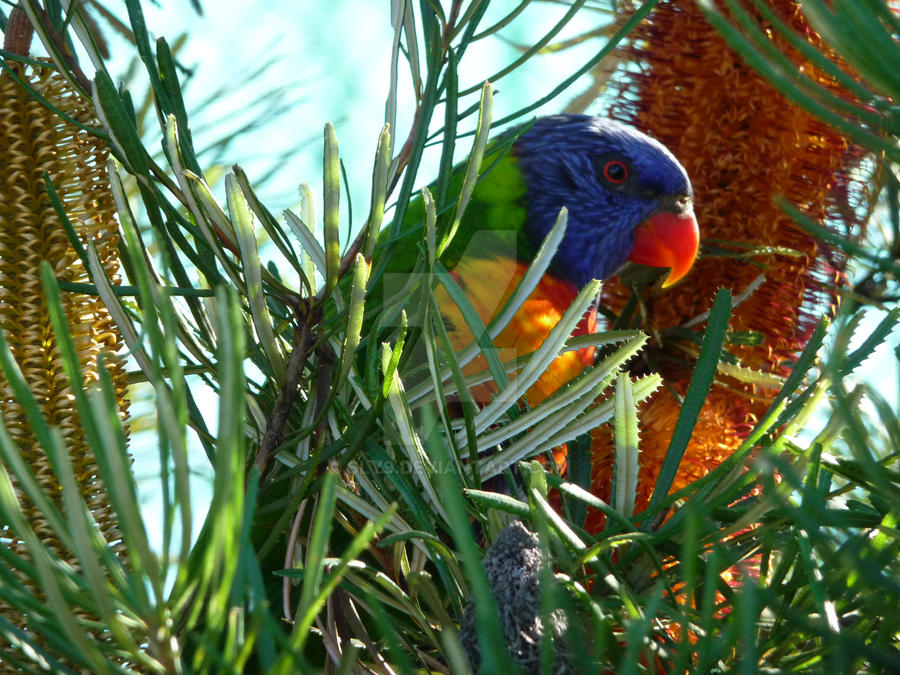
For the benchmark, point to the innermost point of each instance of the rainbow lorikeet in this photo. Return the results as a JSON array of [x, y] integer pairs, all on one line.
[[628, 199]]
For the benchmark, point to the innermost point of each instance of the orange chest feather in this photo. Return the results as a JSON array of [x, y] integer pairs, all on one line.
[[489, 283]]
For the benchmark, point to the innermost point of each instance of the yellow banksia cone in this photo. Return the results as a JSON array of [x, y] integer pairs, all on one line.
[[742, 144], [36, 141]]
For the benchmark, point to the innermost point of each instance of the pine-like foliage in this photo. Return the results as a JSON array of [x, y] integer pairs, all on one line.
[[362, 499]]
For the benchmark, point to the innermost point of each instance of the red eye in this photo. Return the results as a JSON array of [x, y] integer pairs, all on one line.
[[615, 172]]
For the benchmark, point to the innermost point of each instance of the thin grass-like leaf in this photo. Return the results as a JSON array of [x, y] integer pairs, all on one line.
[[182, 176], [212, 211], [379, 191], [430, 227], [790, 90], [763, 43], [27, 482], [366, 534], [114, 463], [497, 501], [262, 320], [145, 51], [524, 288], [331, 178], [553, 519], [266, 220], [411, 444], [540, 44], [318, 545], [861, 38], [495, 656], [373, 511], [810, 52], [53, 584], [161, 324], [698, 388], [438, 351], [86, 538], [355, 310], [475, 324], [541, 358], [571, 400], [884, 328], [57, 51], [119, 124], [473, 165], [305, 232], [533, 275], [226, 510], [640, 13], [560, 428]]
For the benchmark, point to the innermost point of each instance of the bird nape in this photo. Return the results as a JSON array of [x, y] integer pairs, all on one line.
[[628, 199]]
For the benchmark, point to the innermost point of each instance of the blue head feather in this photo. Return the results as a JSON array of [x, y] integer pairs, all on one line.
[[562, 158]]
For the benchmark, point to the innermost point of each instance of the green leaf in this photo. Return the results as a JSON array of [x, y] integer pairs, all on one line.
[[316, 587], [142, 43], [884, 328], [411, 444], [304, 228], [331, 178], [122, 131], [541, 358], [379, 191], [391, 357], [494, 653], [473, 166], [494, 500], [529, 281], [557, 429], [355, 309], [242, 219], [701, 381], [556, 413], [474, 323], [625, 433]]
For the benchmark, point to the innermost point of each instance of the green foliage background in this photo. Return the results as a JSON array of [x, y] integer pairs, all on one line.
[[313, 511]]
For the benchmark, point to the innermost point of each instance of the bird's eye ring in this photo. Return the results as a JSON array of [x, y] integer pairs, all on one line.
[[615, 171]]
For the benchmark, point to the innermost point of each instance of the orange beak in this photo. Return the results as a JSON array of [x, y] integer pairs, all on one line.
[[667, 239]]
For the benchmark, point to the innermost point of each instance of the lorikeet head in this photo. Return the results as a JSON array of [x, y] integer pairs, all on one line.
[[628, 197]]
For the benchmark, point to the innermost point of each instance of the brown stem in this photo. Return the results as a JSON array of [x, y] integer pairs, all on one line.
[[303, 340], [350, 255], [406, 150], [450, 27], [326, 363], [77, 73]]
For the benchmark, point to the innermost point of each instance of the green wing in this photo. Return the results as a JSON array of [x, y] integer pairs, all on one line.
[[497, 204], [491, 226]]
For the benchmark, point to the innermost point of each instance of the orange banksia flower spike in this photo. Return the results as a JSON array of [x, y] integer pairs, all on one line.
[[743, 145]]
